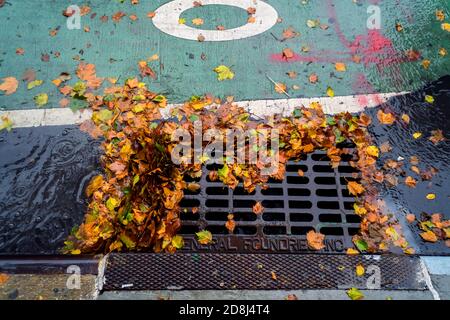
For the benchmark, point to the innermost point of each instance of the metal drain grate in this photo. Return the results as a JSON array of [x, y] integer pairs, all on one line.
[[318, 201], [203, 271]]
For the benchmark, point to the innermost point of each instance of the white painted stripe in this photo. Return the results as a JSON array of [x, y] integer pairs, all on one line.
[[428, 281], [167, 20], [259, 108]]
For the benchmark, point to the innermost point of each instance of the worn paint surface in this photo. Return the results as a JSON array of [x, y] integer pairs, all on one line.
[[116, 48]]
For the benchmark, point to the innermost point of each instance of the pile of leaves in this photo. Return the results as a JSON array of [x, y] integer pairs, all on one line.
[[134, 204]]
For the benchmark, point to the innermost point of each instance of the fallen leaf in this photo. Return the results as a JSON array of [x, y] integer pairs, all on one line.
[[429, 236], [341, 67], [288, 53], [280, 87], [197, 21], [315, 240], [355, 188], [406, 118], [9, 85], [443, 52], [258, 208], [440, 15], [360, 271], [178, 242], [41, 99], [35, 83], [3, 278], [445, 27], [417, 135], [385, 118], [273, 275], [410, 182], [204, 237], [313, 78], [373, 151], [437, 136], [291, 297], [230, 224], [410, 217], [355, 294], [224, 73], [6, 123], [429, 99], [330, 92], [431, 196]]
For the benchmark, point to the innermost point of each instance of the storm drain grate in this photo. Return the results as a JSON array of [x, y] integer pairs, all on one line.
[[217, 271], [318, 200]]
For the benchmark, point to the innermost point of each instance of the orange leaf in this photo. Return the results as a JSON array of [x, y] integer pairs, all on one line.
[[429, 236], [385, 118], [315, 240], [9, 85], [410, 182], [355, 188], [258, 208]]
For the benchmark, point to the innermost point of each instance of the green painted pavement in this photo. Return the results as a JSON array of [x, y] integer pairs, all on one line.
[[115, 48]]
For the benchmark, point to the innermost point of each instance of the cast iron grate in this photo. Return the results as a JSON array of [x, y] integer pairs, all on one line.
[[318, 200], [217, 271]]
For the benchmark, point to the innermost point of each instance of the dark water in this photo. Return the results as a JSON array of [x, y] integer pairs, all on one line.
[[425, 117], [43, 173]]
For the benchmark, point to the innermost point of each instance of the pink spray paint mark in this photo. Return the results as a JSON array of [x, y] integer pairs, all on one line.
[[373, 48]]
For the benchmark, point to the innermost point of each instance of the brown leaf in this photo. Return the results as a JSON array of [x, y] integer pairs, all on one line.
[[315, 240], [288, 53], [410, 182], [437, 136], [313, 78]]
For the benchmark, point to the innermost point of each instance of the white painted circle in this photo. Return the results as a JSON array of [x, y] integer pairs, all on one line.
[[167, 18]]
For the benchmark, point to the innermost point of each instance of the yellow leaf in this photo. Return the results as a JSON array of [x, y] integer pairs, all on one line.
[[204, 237], [360, 271], [41, 99], [360, 211], [224, 73], [178, 242], [182, 21], [429, 99], [6, 124], [431, 196], [443, 52], [406, 118], [330, 92], [112, 203], [351, 251], [426, 63], [373, 151], [445, 27], [417, 135]]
